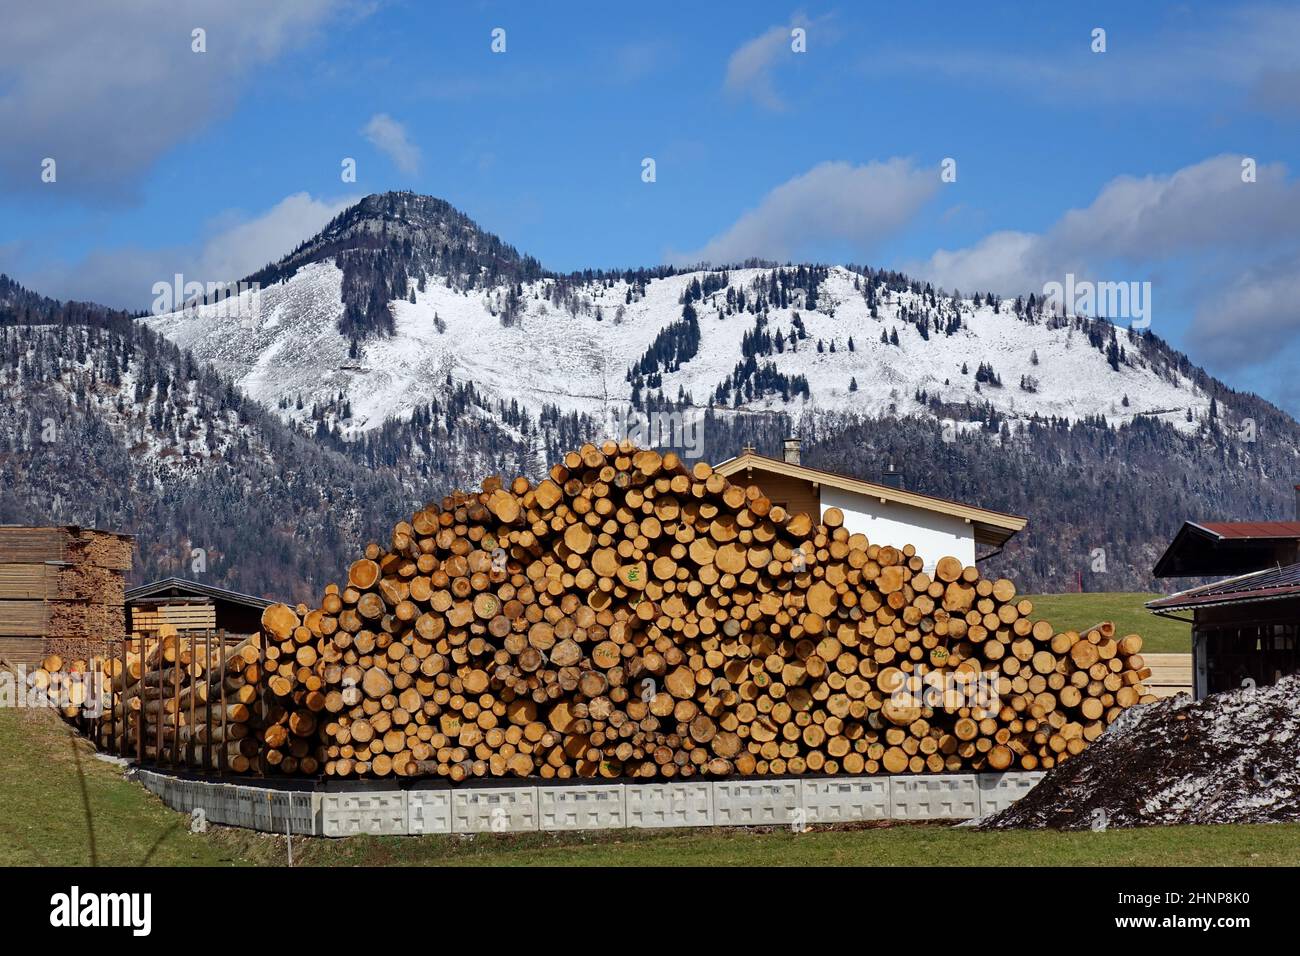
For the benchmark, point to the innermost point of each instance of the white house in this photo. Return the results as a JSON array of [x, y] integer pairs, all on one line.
[[885, 513]]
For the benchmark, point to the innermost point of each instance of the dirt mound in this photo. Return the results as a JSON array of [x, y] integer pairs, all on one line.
[[1231, 758]]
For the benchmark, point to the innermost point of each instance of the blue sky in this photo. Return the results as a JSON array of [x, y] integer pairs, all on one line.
[[1122, 165]]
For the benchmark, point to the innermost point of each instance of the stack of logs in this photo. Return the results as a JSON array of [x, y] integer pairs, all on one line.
[[628, 617], [161, 698], [631, 617]]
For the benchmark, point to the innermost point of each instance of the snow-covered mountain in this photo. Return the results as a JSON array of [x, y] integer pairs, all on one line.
[[403, 353], [459, 304]]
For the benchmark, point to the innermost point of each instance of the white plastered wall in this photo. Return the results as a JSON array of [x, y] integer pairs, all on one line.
[[935, 535]]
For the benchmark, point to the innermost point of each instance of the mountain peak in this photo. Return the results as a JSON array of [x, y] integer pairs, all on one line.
[[402, 209], [390, 244]]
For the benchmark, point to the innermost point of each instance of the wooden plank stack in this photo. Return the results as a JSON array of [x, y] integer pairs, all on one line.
[[630, 617], [187, 616], [62, 590]]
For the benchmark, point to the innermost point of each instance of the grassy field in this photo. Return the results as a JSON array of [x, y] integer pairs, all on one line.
[[1160, 635], [59, 805]]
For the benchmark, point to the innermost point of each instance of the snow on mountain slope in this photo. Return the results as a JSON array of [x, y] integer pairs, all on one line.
[[577, 356], [173, 429]]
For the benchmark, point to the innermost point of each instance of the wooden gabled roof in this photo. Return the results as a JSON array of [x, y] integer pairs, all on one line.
[[183, 587], [991, 527]]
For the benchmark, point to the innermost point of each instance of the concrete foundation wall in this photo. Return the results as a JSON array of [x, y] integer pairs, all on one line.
[[380, 808]]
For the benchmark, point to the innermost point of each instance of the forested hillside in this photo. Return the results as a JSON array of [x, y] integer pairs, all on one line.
[[104, 423]]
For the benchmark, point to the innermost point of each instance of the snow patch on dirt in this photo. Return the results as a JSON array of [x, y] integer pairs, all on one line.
[[1230, 758]]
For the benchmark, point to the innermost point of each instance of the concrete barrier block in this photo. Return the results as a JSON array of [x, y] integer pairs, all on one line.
[[952, 796], [494, 810], [227, 806], [428, 811], [151, 782], [675, 804], [997, 791], [348, 814], [181, 795], [845, 799], [596, 806], [754, 802], [293, 811], [248, 807]]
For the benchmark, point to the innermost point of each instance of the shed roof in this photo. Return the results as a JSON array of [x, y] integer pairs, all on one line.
[[1202, 548], [991, 527], [1253, 529], [183, 587], [1266, 585]]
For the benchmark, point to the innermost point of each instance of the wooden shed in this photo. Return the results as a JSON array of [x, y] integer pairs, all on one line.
[[193, 606], [1245, 628], [62, 590]]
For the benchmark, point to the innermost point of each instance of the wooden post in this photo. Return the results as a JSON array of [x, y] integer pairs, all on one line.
[[207, 704], [112, 721], [221, 648], [158, 741], [176, 707], [117, 747], [261, 667], [189, 743], [139, 721]]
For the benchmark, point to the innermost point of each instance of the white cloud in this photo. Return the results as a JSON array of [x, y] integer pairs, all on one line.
[[390, 137], [1133, 221], [749, 68], [1251, 327], [834, 202], [107, 88], [234, 246], [1000, 262], [1202, 219], [1254, 318]]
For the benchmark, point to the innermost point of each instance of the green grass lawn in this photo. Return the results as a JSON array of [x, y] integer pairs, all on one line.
[[54, 795], [60, 806], [1160, 635]]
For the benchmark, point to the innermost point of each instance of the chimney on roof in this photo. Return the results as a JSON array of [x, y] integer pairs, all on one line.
[[892, 478], [792, 451], [1297, 502]]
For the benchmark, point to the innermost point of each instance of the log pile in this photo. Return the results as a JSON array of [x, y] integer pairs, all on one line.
[[167, 700], [630, 617]]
